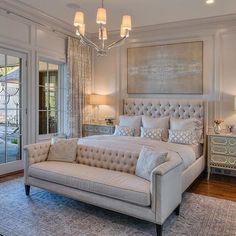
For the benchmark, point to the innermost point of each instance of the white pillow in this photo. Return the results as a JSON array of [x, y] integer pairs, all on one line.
[[153, 133], [132, 122], [148, 160], [151, 122], [188, 124], [183, 136], [63, 150], [124, 131]]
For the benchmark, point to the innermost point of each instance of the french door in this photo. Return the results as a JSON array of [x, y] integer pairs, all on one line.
[[12, 107]]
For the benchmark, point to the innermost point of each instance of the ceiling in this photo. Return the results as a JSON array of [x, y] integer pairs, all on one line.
[[143, 12]]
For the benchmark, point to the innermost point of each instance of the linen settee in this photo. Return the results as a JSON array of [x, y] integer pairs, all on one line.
[[106, 178]]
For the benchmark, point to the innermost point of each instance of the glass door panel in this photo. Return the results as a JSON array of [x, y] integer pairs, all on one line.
[[10, 108]]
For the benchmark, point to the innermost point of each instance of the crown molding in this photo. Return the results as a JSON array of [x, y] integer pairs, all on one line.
[[215, 22], [33, 15], [38, 17]]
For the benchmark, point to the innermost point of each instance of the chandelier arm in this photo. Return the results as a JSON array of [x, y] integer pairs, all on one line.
[[87, 41], [116, 43]]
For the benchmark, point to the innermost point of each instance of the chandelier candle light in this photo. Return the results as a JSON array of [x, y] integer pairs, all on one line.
[[101, 20]]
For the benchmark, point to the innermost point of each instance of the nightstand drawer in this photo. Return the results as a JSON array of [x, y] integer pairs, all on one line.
[[220, 140], [223, 161], [89, 128], [104, 129], [97, 129], [223, 150]]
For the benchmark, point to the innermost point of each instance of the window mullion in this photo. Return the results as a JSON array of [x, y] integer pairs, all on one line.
[[47, 95]]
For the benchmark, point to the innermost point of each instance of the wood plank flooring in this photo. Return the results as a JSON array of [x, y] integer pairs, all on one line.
[[218, 186]]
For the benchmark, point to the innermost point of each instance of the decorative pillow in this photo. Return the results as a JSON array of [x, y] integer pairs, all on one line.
[[148, 160], [183, 136], [188, 124], [153, 133], [56, 138], [124, 131], [63, 150], [182, 124], [132, 122]]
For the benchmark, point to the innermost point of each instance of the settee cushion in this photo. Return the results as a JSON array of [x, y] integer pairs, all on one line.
[[115, 184], [63, 150]]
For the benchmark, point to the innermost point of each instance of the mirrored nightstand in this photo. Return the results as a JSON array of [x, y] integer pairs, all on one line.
[[97, 129], [221, 152]]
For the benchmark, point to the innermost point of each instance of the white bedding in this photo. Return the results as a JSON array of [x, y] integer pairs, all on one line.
[[134, 144]]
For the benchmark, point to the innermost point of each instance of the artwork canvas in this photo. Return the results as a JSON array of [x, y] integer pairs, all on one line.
[[166, 69]]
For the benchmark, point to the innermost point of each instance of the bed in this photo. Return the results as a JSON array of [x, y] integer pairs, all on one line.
[[193, 156]]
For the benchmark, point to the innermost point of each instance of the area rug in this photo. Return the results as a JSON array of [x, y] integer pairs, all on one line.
[[49, 214]]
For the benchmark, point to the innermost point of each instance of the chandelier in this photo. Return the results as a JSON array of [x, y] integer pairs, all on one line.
[[101, 48]]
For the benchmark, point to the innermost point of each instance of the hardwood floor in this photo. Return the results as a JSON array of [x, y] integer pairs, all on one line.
[[218, 186], [7, 177]]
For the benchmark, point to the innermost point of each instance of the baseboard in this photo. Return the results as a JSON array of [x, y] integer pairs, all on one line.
[[12, 173]]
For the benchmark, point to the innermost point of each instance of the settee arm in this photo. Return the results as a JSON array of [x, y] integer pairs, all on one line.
[[34, 153], [166, 188]]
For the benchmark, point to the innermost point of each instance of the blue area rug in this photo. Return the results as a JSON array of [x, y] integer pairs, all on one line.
[[49, 214]]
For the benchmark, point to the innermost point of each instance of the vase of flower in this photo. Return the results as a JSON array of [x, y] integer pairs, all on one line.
[[217, 126]]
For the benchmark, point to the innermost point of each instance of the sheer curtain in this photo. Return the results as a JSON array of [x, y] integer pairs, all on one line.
[[79, 58]]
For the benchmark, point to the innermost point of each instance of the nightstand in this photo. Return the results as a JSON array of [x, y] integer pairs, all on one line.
[[221, 152], [97, 129]]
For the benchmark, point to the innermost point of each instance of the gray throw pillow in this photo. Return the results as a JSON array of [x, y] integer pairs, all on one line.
[[63, 150], [148, 160]]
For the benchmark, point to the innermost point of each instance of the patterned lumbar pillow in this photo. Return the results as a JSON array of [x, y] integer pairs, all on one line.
[[148, 160], [183, 136], [153, 133], [124, 131], [63, 150]]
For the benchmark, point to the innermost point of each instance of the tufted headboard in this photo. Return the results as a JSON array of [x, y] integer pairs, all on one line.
[[182, 109]]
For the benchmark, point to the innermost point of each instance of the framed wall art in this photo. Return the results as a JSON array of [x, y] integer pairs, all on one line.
[[166, 69]]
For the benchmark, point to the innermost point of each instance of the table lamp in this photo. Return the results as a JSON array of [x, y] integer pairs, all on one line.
[[97, 100]]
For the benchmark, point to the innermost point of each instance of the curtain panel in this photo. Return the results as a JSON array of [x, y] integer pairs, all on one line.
[[79, 59]]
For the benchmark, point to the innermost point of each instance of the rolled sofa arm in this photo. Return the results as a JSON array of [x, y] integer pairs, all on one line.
[[166, 188], [34, 153]]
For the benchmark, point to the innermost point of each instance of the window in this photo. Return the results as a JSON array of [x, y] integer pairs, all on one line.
[[49, 83]]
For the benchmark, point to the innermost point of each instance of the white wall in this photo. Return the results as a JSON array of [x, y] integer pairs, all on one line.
[[219, 36], [35, 42]]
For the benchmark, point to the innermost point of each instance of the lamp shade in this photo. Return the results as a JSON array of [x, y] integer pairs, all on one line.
[[79, 19], [126, 22], [235, 103], [95, 99], [101, 16]]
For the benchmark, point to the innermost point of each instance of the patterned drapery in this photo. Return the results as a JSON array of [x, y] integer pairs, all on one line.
[[79, 58]]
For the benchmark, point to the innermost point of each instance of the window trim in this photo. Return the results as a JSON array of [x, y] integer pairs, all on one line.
[[61, 97]]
